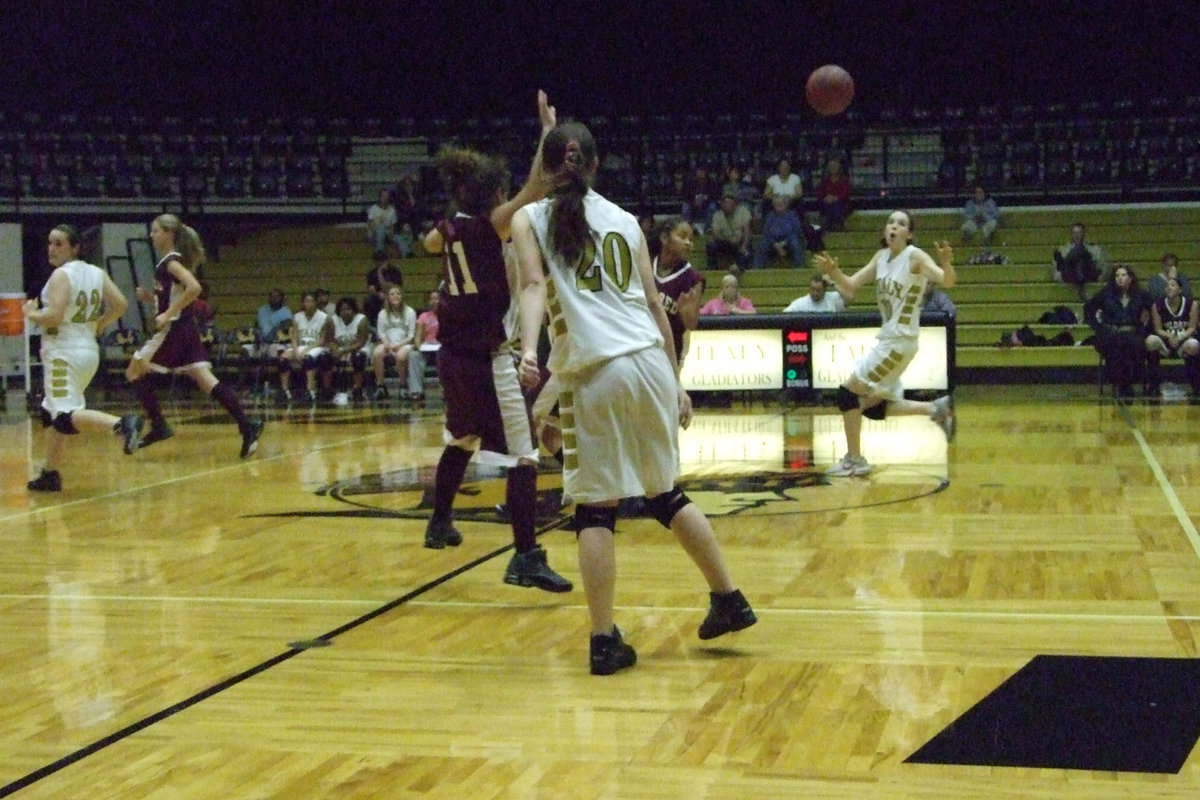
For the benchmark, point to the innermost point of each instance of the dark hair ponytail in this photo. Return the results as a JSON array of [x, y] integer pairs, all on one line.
[[569, 155]]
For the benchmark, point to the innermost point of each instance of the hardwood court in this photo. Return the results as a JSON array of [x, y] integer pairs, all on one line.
[[163, 617]]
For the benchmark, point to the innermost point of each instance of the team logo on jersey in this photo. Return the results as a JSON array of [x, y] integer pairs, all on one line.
[[408, 494]]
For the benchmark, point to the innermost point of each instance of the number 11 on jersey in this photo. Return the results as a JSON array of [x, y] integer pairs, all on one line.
[[457, 258]]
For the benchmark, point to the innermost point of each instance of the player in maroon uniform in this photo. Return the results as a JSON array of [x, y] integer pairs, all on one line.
[[484, 402], [176, 346], [679, 283]]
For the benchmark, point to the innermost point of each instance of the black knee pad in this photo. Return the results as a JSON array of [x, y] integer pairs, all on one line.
[[64, 424], [45, 417], [877, 411], [595, 517], [846, 399], [664, 507], [358, 361]]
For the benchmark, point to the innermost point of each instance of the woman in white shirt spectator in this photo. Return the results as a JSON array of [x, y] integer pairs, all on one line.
[[397, 327], [784, 183], [382, 228]]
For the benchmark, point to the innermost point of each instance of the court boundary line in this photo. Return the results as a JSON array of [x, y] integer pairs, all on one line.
[[1160, 475], [233, 680]]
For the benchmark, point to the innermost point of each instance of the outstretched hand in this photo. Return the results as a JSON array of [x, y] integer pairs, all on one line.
[[826, 263], [546, 112], [945, 253]]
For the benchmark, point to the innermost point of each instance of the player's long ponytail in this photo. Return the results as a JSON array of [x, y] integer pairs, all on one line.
[[569, 155], [187, 241]]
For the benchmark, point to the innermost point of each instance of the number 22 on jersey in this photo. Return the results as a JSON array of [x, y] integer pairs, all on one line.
[[87, 309]]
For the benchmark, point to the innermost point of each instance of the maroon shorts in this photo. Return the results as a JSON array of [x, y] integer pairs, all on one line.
[[177, 348], [483, 398]]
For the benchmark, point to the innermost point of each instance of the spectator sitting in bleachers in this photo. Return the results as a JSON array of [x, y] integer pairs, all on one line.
[[736, 186], [411, 214], [382, 226], [936, 299], [425, 349], [1119, 314], [729, 239], [273, 319], [783, 183], [980, 215], [782, 235], [1157, 284], [273, 316], [834, 195], [1173, 321], [382, 276], [819, 300], [396, 325], [700, 193], [729, 301], [1079, 262], [325, 304]]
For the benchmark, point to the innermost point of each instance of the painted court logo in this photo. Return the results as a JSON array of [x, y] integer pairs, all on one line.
[[408, 494]]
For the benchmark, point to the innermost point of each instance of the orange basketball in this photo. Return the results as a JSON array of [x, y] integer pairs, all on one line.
[[829, 90]]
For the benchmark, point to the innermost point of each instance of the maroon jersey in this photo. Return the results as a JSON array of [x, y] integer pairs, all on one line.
[[474, 291], [165, 284], [670, 289]]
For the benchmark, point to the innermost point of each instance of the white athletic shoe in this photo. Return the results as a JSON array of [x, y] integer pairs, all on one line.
[[849, 466], [943, 415]]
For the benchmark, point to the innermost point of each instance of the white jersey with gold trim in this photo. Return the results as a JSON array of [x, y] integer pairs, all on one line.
[[899, 293], [346, 333], [309, 330], [597, 307], [86, 305]]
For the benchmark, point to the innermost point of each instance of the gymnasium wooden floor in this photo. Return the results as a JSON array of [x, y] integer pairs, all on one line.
[[182, 624]]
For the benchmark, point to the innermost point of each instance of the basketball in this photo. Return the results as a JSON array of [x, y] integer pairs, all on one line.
[[829, 90]]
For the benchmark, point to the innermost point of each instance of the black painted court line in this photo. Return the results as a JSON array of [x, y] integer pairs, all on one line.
[[230, 682]]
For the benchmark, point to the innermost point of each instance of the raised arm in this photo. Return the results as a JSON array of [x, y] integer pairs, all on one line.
[[846, 286], [537, 186], [942, 272]]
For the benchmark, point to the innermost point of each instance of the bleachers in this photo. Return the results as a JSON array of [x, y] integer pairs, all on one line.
[[335, 257], [993, 299]]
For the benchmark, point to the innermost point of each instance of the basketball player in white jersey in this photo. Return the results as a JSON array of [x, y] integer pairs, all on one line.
[[901, 272], [311, 333], [351, 347], [621, 400], [78, 301]]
